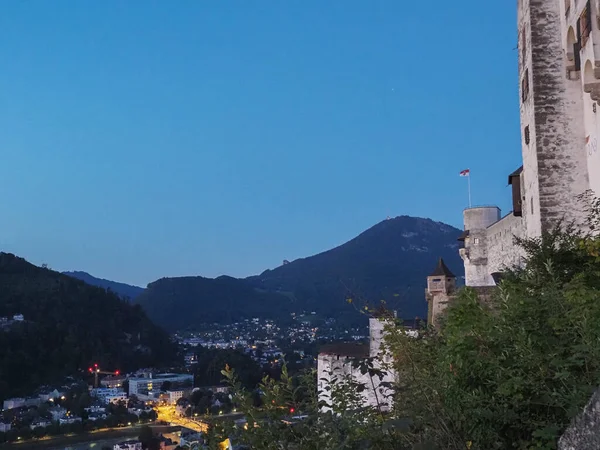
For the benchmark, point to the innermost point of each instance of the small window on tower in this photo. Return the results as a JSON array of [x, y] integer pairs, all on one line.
[[523, 45], [476, 241], [525, 86], [526, 134], [531, 205]]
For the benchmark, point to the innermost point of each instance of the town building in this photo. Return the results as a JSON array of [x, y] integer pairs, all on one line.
[[69, 419], [51, 395], [4, 427], [40, 423], [339, 363], [559, 90], [57, 413], [173, 396], [146, 385], [109, 395], [128, 445], [13, 403], [113, 381]]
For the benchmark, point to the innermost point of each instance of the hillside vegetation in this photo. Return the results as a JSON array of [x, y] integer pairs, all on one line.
[[123, 290], [68, 325]]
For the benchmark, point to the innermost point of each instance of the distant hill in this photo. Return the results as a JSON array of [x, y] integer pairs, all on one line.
[[389, 261], [125, 291], [69, 325]]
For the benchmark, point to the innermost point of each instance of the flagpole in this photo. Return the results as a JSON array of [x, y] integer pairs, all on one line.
[[469, 187]]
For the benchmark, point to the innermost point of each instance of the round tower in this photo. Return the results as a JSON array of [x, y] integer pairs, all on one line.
[[475, 252]]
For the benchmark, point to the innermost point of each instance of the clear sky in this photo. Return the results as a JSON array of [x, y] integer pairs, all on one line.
[[161, 138]]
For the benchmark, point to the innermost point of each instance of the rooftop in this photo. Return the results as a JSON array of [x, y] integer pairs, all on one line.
[[442, 270], [349, 349]]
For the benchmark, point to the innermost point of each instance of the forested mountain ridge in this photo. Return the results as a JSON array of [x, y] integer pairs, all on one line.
[[68, 325], [123, 290], [390, 261]]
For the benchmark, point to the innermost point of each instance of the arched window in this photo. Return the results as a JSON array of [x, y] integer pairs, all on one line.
[[589, 78], [571, 41]]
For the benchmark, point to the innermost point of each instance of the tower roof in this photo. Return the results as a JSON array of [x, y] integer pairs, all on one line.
[[442, 270], [516, 173]]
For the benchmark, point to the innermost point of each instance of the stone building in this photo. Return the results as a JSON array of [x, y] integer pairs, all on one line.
[[340, 361], [559, 87]]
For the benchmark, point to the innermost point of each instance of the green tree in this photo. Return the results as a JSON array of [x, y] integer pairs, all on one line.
[[511, 372], [146, 435], [272, 425]]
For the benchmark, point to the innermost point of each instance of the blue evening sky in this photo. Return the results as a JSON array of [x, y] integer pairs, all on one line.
[[163, 138]]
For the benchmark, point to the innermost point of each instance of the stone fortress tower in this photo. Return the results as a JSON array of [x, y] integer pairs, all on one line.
[[441, 284], [559, 87]]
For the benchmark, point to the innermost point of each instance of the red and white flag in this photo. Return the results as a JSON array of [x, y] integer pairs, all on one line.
[[465, 173]]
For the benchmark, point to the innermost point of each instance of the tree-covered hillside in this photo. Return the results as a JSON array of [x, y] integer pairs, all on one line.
[[68, 325], [125, 291]]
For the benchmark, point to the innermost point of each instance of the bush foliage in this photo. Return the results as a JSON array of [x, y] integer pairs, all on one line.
[[507, 373]]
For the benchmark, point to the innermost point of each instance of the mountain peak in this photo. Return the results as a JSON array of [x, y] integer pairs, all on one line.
[[389, 261]]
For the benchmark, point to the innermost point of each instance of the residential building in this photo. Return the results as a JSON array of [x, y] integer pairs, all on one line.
[[128, 445], [95, 409], [51, 395], [559, 87], [214, 389], [13, 403], [174, 396], [57, 413], [5, 427], [190, 358], [69, 420], [40, 423], [109, 395]]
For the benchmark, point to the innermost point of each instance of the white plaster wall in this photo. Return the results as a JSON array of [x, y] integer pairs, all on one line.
[[474, 255], [529, 189], [589, 139], [480, 217], [502, 251], [477, 275], [332, 367], [555, 162], [376, 334]]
